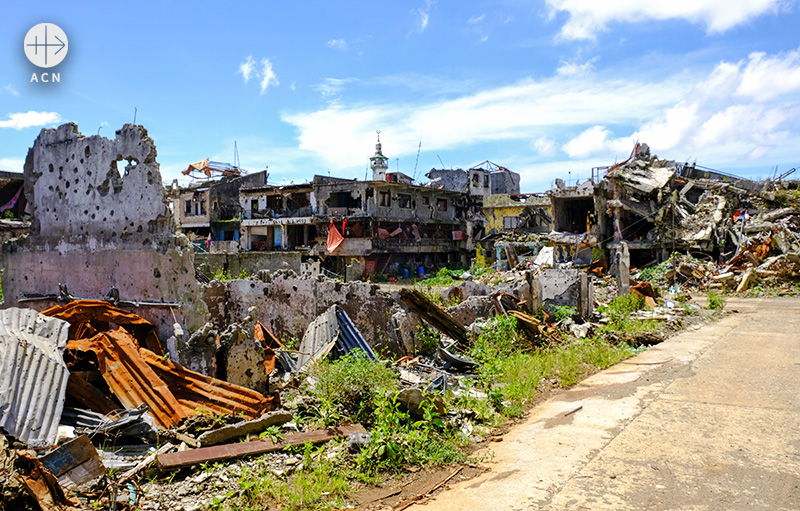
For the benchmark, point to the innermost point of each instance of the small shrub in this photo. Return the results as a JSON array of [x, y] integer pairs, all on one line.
[[562, 312], [715, 301], [426, 340], [349, 386]]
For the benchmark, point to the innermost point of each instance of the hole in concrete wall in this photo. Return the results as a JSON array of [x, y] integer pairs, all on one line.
[[139, 229], [81, 162], [87, 152], [111, 212], [50, 188], [85, 211], [66, 184], [50, 167], [75, 169], [184, 271], [156, 273], [92, 216]]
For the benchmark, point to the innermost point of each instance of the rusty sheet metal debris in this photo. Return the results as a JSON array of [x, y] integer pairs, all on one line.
[[74, 463], [197, 391], [129, 377], [88, 317], [138, 376], [175, 460], [42, 484], [33, 375]]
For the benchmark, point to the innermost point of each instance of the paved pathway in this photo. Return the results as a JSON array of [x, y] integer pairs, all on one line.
[[708, 420]]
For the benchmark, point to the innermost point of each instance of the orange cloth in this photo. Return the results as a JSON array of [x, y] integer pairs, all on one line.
[[334, 238]]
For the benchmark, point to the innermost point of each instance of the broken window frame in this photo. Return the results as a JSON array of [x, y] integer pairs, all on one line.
[[441, 204], [385, 198], [404, 200]]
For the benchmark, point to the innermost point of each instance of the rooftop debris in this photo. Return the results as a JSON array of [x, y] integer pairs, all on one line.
[[136, 375], [74, 463], [332, 332], [33, 375]]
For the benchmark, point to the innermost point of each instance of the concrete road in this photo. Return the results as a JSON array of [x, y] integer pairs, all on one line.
[[708, 420]]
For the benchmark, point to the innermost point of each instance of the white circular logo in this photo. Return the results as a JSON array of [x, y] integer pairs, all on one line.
[[46, 45]]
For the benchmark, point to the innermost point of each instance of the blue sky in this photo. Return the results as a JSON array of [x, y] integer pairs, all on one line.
[[547, 88]]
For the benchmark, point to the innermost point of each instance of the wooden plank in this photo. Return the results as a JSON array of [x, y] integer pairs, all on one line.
[[175, 460]]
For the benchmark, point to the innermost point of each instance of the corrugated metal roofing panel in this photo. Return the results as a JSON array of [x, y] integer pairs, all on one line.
[[333, 331], [33, 375]]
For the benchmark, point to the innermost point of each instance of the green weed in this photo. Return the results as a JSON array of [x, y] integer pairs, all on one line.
[[715, 301]]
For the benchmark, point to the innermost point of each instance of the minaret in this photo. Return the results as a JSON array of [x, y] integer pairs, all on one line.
[[379, 162]]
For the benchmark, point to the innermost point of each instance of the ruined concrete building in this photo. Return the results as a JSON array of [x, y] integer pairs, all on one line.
[[101, 229], [384, 222]]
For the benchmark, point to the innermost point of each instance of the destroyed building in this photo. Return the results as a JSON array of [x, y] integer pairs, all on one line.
[[102, 229], [13, 206]]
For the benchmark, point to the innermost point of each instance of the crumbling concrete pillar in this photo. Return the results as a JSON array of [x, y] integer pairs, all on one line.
[[622, 263]]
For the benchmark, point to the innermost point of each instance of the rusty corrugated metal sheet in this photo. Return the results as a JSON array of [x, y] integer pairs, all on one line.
[[87, 317], [129, 377], [139, 375], [33, 375], [196, 391]]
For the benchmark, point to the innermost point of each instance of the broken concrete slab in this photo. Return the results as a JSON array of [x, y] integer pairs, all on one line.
[[240, 429]]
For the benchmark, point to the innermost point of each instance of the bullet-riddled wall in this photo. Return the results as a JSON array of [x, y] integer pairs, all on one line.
[[100, 220]]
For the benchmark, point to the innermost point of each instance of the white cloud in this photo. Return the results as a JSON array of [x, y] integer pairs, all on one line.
[[267, 75], [30, 119], [520, 111], [476, 19], [587, 17], [247, 68], [574, 68], [423, 16], [12, 164], [728, 113], [10, 90], [338, 44], [333, 86], [767, 77], [544, 146]]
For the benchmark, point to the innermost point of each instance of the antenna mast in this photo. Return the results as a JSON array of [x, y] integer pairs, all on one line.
[[235, 156], [417, 162]]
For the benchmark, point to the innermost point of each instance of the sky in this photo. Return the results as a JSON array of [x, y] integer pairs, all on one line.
[[546, 88]]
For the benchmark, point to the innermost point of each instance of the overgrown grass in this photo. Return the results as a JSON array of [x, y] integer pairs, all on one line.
[[443, 278], [225, 276], [347, 388], [512, 373], [321, 482]]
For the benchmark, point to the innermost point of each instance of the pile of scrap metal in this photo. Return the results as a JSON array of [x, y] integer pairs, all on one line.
[[108, 366]]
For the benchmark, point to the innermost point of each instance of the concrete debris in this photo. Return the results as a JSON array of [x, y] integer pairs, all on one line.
[[241, 429]]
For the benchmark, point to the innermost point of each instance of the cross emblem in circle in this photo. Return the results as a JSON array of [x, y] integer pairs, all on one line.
[[46, 45]]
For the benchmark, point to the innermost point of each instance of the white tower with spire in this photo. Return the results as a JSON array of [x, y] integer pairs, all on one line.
[[379, 162]]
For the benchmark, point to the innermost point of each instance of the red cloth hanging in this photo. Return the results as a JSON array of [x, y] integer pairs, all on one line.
[[334, 238]]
